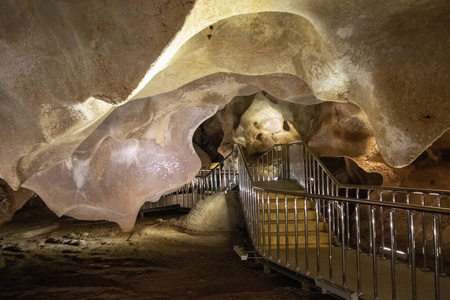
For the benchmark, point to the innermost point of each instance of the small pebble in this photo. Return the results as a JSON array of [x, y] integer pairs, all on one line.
[[71, 236], [84, 234]]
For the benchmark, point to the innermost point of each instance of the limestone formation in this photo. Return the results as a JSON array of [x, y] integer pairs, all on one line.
[[262, 126], [99, 102]]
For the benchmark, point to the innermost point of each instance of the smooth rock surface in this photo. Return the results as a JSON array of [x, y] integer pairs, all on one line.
[[99, 102]]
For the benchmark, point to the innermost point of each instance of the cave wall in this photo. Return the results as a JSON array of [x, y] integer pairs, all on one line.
[[99, 101]]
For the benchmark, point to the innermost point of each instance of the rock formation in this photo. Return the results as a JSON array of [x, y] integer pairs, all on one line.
[[99, 102], [262, 126]]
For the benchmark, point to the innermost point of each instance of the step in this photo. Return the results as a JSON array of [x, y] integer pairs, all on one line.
[[291, 226], [291, 214], [323, 239]]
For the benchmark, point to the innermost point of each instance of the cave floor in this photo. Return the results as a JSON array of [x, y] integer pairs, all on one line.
[[49, 257]]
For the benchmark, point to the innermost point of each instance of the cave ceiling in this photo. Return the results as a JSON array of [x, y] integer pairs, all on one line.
[[99, 100]]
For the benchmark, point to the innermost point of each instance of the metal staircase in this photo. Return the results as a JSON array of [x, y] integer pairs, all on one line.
[[353, 241]]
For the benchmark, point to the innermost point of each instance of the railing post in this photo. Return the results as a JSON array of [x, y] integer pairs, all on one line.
[[348, 219], [306, 234], [393, 253], [374, 253], [437, 294], [317, 238], [424, 236], [296, 235], [358, 250], [278, 162], [263, 225], [382, 226], [278, 228], [288, 162], [344, 271], [441, 244], [269, 223], [370, 224], [273, 166], [413, 256], [286, 220], [330, 254], [258, 226]]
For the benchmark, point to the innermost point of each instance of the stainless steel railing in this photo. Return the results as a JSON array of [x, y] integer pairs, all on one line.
[[222, 177], [346, 210], [354, 240]]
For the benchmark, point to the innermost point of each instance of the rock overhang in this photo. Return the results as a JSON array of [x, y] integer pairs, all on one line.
[[83, 65]]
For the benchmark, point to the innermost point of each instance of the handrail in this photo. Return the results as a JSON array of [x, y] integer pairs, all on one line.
[[332, 214], [419, 208], [325, 193], [344, 185], [356, 186]]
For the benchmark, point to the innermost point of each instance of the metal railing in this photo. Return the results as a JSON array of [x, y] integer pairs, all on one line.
[[352, 240], [347, 211], [222, 177]]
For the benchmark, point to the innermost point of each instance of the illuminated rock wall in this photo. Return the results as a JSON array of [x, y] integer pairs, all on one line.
[[99, 102]]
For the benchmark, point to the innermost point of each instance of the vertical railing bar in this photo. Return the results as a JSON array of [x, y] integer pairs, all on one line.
[[220, 170], [288, 159], [296, 233], [330, 254], [437, 294], [307, 171], [382, 226], [314, 178], [374, 253], [257, 169], [344, 271], [413, 257], [348, 219], [269, 225], [255, 213], [310, 189], [317, 238], [441, 244], [424, 236], [306, 237], [278, 228], [408, 213], [370, 225], [322, 179], [324, 203], [393, 253], [229, 172], [215, 180], [395, 220], [358, 248], [340, 230], [273, 167], [258, 226], [286, 220], [263, 225]]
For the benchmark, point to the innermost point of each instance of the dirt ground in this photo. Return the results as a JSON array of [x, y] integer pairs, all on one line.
[[62, 258]]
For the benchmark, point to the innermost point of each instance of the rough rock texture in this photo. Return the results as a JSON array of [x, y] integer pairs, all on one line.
[[11, 201], [204, 157], [218, 212], [262, 126], [70, 132]]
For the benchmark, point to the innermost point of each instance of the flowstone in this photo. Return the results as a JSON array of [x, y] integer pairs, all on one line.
[[262, 126], [70, 69]]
